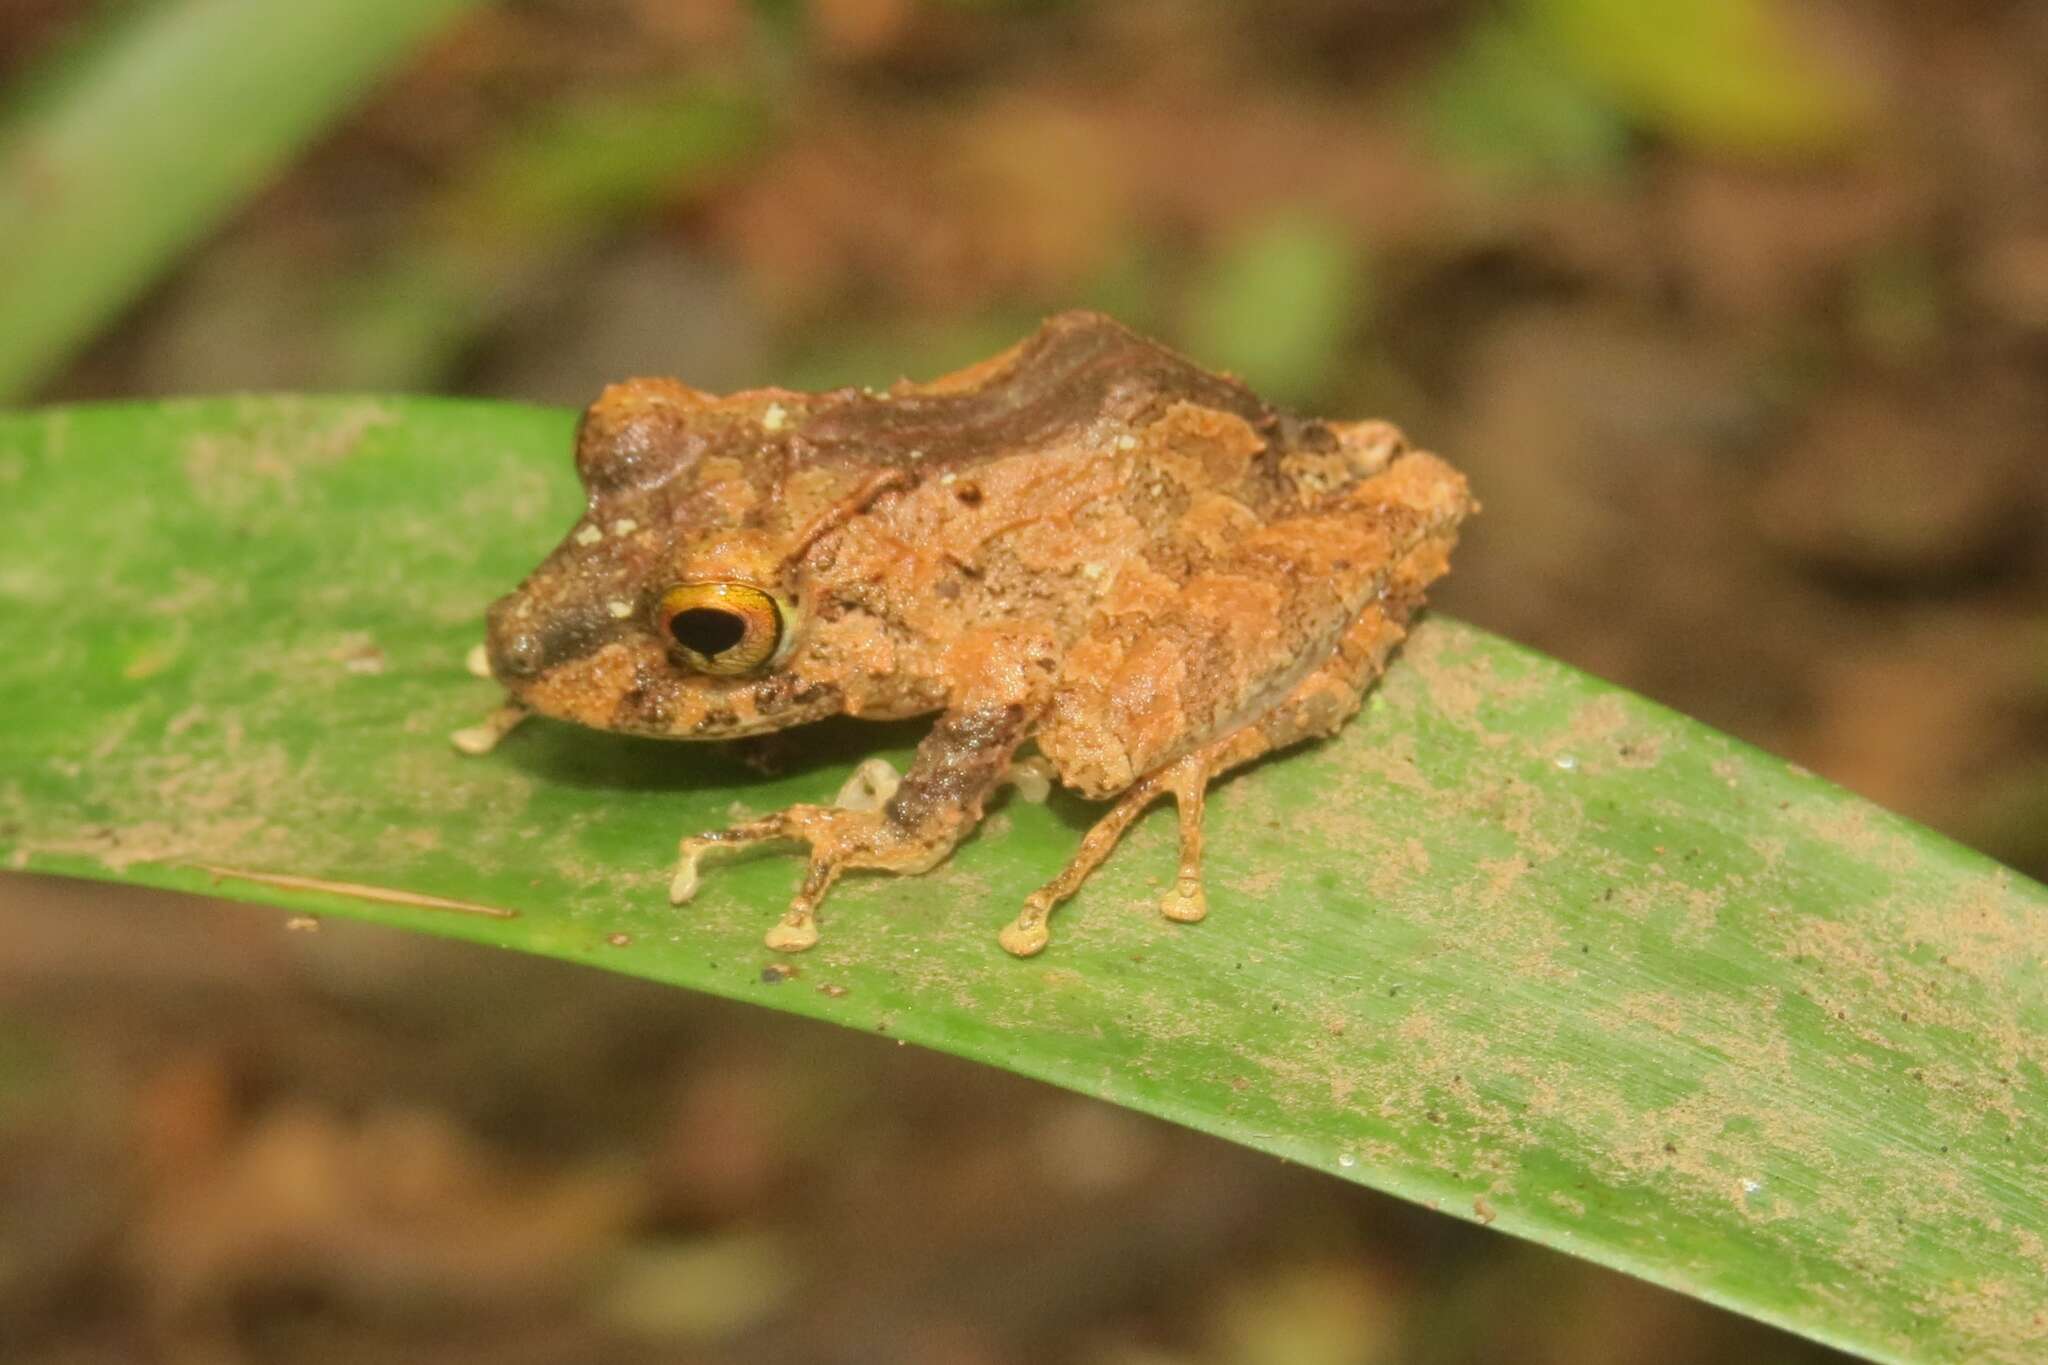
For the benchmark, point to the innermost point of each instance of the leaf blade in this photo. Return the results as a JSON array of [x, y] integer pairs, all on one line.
[[1514, 944], [152, 133]]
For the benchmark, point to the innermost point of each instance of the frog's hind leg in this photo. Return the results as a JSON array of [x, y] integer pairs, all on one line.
[[1317, 706], [1186, 780], [1028, 934]]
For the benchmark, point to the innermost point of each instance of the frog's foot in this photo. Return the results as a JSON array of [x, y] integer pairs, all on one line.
[[481, 738], [872, 784], [869, 786], [882, 822], [1032, 776], [484, 736], [1185, 780], [838, 839]]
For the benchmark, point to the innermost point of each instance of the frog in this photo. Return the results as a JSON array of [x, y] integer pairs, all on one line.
[[1091, 560]]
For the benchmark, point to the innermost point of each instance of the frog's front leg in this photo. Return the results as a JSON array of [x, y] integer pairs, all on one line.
[[964, 758]]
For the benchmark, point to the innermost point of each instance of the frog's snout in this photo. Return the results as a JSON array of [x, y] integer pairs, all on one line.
[[516, 650], [525, 639], [517, 655]]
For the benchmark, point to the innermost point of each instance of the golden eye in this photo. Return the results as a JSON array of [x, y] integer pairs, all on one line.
[[721, 628]]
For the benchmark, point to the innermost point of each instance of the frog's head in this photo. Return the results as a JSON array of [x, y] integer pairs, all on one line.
[[668, 608]]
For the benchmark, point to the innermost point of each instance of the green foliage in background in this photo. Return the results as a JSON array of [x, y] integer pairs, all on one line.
[[1277, 305], [1556, 89], [1516, 944], [1720, 75], [511, 222], [1501, 103], [117, 158]]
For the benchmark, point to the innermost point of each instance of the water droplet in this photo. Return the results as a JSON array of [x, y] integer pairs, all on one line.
[[1346, 1160], [1567, 761]]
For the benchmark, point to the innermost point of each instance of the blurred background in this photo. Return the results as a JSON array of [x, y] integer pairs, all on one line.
[[1736, 311]]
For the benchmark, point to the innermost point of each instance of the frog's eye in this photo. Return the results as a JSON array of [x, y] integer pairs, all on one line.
[[721, 628]]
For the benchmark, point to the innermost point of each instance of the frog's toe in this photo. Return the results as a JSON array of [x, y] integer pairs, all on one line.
[[690, 856], [870, 786], [1186, 902], [795, 932], [1027, 935], [695, 848], [683, 886], [832, 852], [479, 739], [1032, 777]]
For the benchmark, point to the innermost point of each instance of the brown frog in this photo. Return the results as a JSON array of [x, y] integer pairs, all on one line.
[[1087, 543]]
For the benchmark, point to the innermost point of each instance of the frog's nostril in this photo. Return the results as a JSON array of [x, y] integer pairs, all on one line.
[[516, 653]]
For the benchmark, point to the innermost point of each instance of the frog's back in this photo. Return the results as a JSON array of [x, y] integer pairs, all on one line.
[[1098, 401], [1079, 381], [1197, 552]]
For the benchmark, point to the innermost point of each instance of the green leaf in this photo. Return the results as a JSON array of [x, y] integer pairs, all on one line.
[[1720, 75], [544, 191], [1275, 305], [1515, 944], [1501, 104], [153, 131]]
